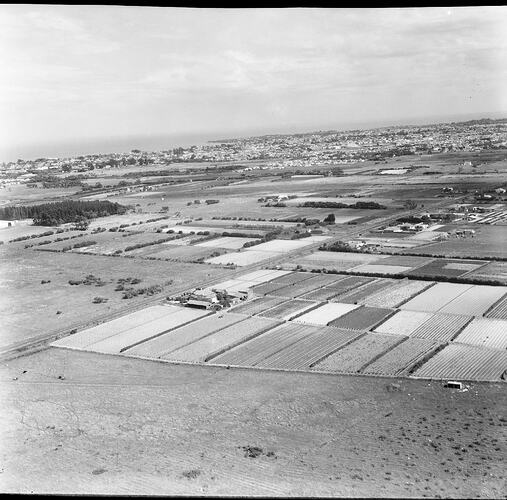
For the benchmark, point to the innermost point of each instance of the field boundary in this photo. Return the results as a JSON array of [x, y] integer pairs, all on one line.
[[164, 332], [389, 349]]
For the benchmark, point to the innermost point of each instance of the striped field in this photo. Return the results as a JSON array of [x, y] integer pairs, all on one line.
[[363, 318], [352, 358], [441, 327], [485, 332], [465, 362]]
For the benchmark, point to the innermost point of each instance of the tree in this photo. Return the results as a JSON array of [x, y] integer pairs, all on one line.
[[330, 219], [410, 205]]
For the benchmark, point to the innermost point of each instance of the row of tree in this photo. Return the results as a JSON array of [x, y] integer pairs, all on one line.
[[61, 212]]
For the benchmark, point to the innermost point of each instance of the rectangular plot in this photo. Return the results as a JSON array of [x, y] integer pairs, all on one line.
[[320, 294], [326, 313], [446, 267], [401, 357], [441, 327], [475, 301], [121, 341], [405, 260], [485, 332], [465, 362], [397, 294], [499, 311], [230, 242], [100, 332], [263, 275], [353, 357], [266, 288], [344, 257], [219, 342], [258, 306], [244, 258], [293, 277], [184, 335], [289, 309], [355, 296], [381, 269], [282, 246], [404, 322], [300, 288], [436, 297], [311, 349], [363, 318], [254, 351], [348, 283]]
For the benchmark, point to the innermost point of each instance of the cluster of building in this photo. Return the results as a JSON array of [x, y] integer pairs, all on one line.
[[292, 150]]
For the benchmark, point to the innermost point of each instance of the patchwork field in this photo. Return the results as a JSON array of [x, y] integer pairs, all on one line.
[[380, 268], [326, 313], [447, 267], [398, 293], [441, 327], [362, 318], [254, 351], [304, 353], [244, 258], [353, 357], [435, 297], [213, 345], [289, 309], [403, 322], [402, 357], [465, 362], [258, 305], [229, 242], [485, 332], [493, 270], [185, 335], [355, 296]]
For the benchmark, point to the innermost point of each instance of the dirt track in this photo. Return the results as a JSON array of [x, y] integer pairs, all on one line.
[[125, 426]]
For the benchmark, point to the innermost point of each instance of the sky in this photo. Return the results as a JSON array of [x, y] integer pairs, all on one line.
[[80, 75]]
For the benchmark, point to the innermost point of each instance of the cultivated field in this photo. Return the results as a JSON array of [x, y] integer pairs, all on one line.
[[304, 353], [258, 305], [245, 258], [485, 332], [447, 267], [357, 295], [353, 357], [254, 351], [184, 335], [363, 318], [465, 362], [402, 357], [404, 322], [326, 313], [289, 309], [380, 268], [213, 345], [441, 327], [397, 294], [435, 297]]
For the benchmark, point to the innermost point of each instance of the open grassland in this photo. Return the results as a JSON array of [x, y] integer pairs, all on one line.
[[488, 241], [191, 424], [29, 308]]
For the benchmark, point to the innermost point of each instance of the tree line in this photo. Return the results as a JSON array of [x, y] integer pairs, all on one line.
[[61, 212]]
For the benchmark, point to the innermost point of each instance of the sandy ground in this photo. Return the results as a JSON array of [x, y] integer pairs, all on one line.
[[125, 426]]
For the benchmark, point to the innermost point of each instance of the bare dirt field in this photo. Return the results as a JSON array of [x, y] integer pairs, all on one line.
[[81, 422]]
